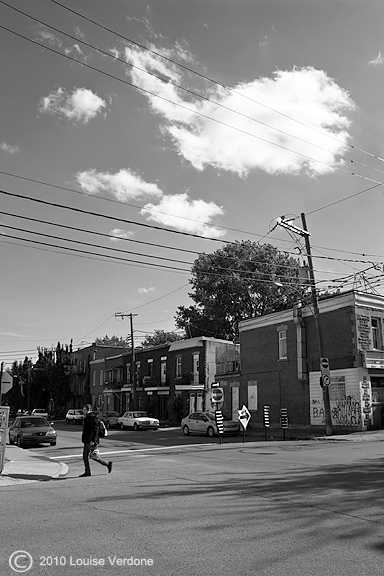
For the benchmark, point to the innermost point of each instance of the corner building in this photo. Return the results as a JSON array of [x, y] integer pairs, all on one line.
[[280, 365]]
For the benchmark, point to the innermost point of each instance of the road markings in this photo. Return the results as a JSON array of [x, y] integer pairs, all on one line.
[[132, 451]]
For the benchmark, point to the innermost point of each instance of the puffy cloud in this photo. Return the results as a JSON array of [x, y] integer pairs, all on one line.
[[119, 234], [9, 148], [203, 131], [124, 185], [79, 106], [178, 211]]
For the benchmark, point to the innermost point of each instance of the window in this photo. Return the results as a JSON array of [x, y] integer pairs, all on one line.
[[129, 373], [163, 371], [178, 366], [94, 378], [377, 338], [282, 344], [150, 368]]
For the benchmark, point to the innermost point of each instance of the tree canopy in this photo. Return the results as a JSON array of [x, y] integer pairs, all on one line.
[[113, 341], [240, 280], [160, 337]]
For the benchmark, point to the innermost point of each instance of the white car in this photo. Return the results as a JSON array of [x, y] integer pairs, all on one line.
[[39, 412], [205, 423], [138, 421], [74, 416]]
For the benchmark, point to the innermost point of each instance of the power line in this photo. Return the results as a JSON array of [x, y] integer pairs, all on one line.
[[118, 201], [262, 237], [79, 210]]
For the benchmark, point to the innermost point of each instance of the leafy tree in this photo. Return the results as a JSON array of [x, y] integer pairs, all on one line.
[[160, 337], [113, 341], [236, 282]]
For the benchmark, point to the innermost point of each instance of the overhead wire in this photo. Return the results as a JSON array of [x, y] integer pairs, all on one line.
[[203, 76], [335, 167]]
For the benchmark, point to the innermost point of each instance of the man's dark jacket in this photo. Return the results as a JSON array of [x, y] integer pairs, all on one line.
[[90, 429]]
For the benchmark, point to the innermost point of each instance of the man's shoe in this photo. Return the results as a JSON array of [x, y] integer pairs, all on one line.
[[109, 467], [85, 474]]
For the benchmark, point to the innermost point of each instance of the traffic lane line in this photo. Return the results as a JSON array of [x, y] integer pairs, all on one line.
[[133, 450]]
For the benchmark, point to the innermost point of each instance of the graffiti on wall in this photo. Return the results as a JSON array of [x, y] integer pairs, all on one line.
[[366, 401], [347, 411]]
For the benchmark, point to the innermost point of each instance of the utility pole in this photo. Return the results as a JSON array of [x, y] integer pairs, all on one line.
[[133, 363], [316, 314]]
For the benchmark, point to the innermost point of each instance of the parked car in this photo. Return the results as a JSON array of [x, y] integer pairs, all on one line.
[[204, 423], [39, 412], [74, 417], [110, 418], [32, 430], [138, 420]]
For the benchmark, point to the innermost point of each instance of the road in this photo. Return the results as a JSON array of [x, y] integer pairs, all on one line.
[[275, 508]]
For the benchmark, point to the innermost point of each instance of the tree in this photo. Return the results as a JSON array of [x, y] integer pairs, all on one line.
[[236, 282], [113, 341], [160, 337]]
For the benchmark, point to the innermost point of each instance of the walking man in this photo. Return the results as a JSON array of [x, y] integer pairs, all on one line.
[[90, 439]]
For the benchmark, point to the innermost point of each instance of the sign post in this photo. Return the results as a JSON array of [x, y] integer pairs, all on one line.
[[284, 420], [4, 418], [244, 417], [266, 420], [219, 423]]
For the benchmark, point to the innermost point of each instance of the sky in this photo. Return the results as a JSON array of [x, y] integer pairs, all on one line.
[[135, 135]]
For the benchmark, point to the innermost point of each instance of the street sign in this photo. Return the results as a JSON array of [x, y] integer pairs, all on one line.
[[6, 382], [326, 380], [4, 418], [244, 416], [324, 366], [217, 395]]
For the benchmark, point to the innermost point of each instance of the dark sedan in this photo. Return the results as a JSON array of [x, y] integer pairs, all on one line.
[[32, 430]]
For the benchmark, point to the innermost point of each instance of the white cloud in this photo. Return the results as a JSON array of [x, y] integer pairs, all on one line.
[[79, 106], [146, 290], [305, 94], [376, 61], [9, 148], [178, 211], [119, 234], [124, 185]]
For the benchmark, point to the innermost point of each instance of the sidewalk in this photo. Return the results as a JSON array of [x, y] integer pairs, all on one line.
[[24, 467]]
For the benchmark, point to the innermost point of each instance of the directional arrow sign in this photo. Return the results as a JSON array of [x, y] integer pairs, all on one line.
[[244, 416]]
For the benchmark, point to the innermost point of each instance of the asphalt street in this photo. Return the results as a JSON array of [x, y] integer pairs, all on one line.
[[261, 508]]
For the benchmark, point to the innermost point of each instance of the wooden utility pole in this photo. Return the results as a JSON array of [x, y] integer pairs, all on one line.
[[316, 314], [133, 362], [320, 342]]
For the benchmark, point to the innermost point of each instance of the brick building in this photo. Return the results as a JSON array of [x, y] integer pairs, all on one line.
[[81, 390], [280, 363], [171, 380]]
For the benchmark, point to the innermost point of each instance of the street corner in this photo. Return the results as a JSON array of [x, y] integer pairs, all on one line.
[[24, 467]]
